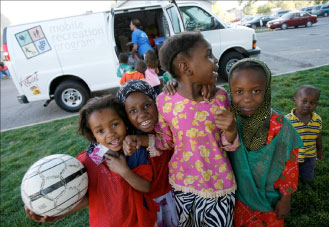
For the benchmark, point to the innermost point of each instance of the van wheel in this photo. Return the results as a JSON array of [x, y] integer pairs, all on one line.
[[71, 95], [284, 26], [325, 14], [227, 62]]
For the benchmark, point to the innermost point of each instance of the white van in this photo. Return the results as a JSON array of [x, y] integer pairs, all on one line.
[[67, 59]]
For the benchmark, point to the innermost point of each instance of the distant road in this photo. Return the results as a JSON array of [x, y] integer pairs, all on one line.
[[283, 50]]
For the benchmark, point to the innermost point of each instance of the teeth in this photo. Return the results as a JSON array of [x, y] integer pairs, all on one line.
[[145, 123], [114, 142]]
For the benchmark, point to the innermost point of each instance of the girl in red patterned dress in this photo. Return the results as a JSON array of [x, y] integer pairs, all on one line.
[[265, 165]]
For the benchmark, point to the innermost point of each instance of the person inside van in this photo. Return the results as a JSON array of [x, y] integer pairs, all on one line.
[[124, 66], [138, 74], [139, 39]]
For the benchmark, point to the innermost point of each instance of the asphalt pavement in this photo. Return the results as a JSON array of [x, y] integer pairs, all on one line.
[[283, 50]]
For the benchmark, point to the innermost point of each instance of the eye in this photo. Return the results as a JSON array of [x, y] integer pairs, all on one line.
[[256, 91], [304, 102], [313, 103], [115, 124], [238, 91], [99, 131], [147, 106], [132, 111]]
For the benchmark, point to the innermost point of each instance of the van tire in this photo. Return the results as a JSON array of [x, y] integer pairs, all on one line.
[[325, 14], [71, 95], [227, 62]]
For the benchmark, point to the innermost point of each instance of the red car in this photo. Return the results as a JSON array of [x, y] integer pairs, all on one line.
[[293, 19]]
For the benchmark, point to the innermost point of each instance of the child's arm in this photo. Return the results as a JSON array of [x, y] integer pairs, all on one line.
[[119, 166], [207, 91], [282, 207], [226, 121], [133, 142], [319, 147], [82, 204]]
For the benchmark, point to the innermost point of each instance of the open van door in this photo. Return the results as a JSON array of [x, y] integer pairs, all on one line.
[[172, 14]]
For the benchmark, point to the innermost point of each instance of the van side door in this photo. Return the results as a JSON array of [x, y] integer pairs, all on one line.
[[171, 13]]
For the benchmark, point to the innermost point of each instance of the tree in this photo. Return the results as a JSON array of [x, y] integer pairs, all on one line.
[[264, 9]]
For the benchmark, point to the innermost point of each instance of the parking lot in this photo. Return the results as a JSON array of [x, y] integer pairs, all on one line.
[[283, 50]]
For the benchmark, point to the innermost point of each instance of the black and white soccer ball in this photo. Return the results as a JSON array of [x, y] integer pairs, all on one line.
[[54, 185]]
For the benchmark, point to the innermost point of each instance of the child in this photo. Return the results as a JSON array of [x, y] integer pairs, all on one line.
[[140, 68], [151, 73], [166, 77], [123, 67], [265, 165], [199, 132], [309, 125], [118, 186], [4, 73], [138, 98]]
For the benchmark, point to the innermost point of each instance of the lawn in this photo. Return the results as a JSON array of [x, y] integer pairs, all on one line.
[[22, 147]]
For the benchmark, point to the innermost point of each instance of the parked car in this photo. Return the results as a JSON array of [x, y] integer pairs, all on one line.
[[259, 21], [302, 9], [280, 13], [321, 10], [309, 9], [316, 10], [293, 19]]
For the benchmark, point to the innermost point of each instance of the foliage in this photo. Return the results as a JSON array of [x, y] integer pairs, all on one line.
[[22, 147]]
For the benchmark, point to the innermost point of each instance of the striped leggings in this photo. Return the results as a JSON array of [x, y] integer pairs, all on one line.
[[195, 211]]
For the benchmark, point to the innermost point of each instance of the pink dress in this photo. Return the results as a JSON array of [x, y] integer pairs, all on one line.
[[199, 164], [152, 77]]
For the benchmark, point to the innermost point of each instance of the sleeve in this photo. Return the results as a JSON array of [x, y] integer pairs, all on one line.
[[288, 181], [119, 72], [123, 79], [134, 38], [227, 146], [163, 139], [224, 103]]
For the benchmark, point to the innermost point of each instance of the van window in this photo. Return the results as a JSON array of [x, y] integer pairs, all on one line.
[[174, 19], [195, 18]]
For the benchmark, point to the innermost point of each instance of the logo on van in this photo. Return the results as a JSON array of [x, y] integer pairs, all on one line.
[[33, 42]]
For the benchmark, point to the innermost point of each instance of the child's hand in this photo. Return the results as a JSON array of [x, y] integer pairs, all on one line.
[[130, 144], [38, 218], [225, 120], [116, 164], [170, 87], [208, 92], [282, 207]]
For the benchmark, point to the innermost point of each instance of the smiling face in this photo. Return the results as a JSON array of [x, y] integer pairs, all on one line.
[[248, 90], [203, 64], [141, 111], [108, 128], [306, 101]]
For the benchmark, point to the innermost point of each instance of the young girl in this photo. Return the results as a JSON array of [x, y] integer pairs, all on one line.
[[199, 132], [265, 165], [118, 186], [138, 98], [151, 73]]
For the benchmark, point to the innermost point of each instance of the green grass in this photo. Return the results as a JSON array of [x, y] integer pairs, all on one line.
[[20, 148]]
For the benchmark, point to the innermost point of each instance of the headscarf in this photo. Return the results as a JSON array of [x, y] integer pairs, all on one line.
[[256, 126], [135, 86]]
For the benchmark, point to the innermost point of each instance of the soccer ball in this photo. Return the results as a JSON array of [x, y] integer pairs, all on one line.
[[54, 185]]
